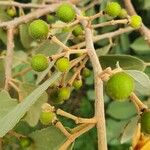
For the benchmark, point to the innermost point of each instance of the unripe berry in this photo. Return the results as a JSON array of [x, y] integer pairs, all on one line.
[[77, 84], [145, 122], [113, 9], [38, 29], [39, 62], [120, 86], [46, 117], [25, 142], [135, 21], [86, 72], [123, 13], [63, 64], [64, 93], [65, 12], [11, 12], [77, 30]]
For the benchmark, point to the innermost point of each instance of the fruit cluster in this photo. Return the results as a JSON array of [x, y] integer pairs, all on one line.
[[114, 9]]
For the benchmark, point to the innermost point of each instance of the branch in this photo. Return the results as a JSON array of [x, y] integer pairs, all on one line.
[[143, 30], [22, 5], [109, 23], [33, 15], [75, 118], [105, 36], [9, 56], [99, 101]]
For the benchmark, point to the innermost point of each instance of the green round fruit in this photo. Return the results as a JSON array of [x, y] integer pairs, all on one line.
[[64, 93], [39, 62], [113, 9], [38, 29], [63, 64], [77, 84], [65, 12], [25, 142], [86, 72], [11, 12], [135, 21], [46, 117], [77, 30], [120, 86], [145, 122], [123, 14]]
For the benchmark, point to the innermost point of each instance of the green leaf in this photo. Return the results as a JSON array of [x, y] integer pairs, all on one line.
[[49, 48], [13, 117], [91, 94], [146, 4], [48, 138], [103, 51], [2, 73], [129, 130], [142, 81], [25, 38], [32, 116], [125, 61], [140, 46], [121, 110], [4, 16], [87, 141], [85, 109], [124, 42], [6, 103], [19, 57], [114, 129], [3, 36]]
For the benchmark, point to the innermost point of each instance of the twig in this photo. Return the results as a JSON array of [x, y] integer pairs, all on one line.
[[64, 25], [59, 125], [109, 23], [143, 30], [57, 41], [17, 90], [77, 72], [9, 56], [136, 100], [22, 5], [17, 135], [77, 60], [33, 15], [75, 135], [105, 36], [99, 100], [78, 128], [75, 118]]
